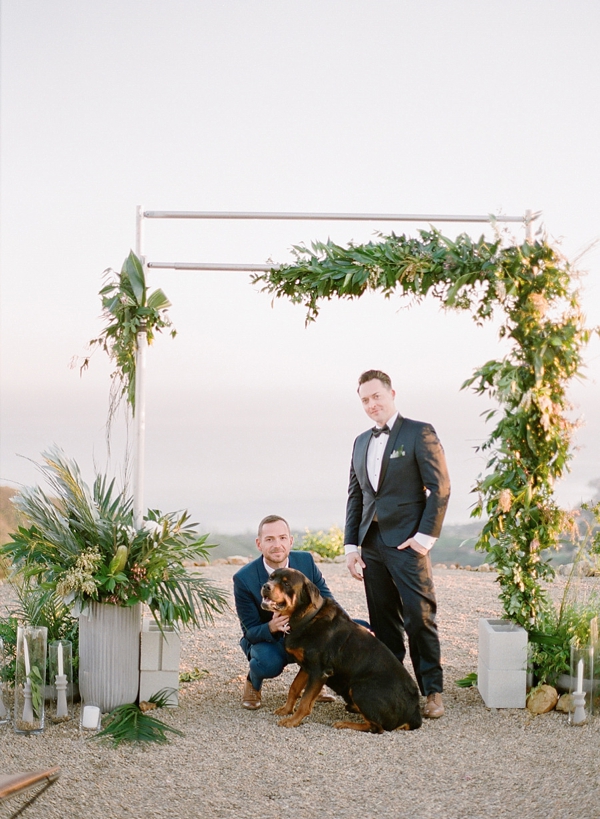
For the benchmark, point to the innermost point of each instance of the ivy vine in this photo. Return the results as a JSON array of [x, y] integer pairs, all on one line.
[[529, 447], [128, 309]]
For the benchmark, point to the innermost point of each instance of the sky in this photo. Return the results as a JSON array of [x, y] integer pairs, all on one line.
[[354, 106]]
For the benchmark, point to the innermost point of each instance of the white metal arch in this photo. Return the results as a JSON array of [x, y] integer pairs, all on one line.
[[142, 342]]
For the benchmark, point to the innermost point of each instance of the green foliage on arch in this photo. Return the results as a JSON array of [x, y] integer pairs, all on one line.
[[529, 447]]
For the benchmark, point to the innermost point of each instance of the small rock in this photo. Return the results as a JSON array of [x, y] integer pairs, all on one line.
[[220, 561], [339, 559], [237, 560], [542, 700], [147, 706], [439, 566], [317, 557], [565, 703], [485, 567]]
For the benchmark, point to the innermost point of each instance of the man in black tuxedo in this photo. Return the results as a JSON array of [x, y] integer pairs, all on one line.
[[397, 498], [263, 631]]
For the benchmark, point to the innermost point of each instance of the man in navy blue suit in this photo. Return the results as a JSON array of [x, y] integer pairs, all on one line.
[[263, 631]]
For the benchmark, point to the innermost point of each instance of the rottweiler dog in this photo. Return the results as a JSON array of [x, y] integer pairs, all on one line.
[[332, 649]]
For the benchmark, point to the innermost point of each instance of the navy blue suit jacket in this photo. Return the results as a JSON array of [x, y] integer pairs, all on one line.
[[413, 491], [247, 583]]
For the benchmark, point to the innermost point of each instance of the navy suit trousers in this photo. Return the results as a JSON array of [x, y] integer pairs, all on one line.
[[267, 660]]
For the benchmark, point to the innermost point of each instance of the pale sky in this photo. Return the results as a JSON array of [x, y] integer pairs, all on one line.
[[330, 106]]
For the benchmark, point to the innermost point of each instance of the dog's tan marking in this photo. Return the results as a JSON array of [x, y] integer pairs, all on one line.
[[311, 692], [296, 688], [297, 653], [359, 726]]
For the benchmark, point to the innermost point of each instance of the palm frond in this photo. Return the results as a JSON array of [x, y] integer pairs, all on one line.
[[128, 723]]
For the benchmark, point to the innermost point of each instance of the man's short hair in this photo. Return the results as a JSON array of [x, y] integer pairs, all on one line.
[[272, 519], [370, 375]]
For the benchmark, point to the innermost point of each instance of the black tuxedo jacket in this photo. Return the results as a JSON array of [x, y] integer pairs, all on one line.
[[247, 583], [414, 486]]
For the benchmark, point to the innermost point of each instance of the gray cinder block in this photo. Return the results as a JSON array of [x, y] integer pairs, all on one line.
[[502, 664], [159, 659], [151, 682]]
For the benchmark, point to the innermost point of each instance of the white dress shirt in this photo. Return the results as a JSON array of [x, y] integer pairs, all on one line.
[[270, 569]]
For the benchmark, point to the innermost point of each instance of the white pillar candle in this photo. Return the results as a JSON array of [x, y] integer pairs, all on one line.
[[90, 716], [579, 677], [26, 657], [60, 660]]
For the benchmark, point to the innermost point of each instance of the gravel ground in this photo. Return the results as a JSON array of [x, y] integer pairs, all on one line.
[[474, 762]]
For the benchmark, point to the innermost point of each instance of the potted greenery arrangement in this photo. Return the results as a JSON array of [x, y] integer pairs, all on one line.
[[570, 621], [82, 544]]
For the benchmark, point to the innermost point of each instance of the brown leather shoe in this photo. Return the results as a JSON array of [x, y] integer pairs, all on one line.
[[434, 707], [250, 697]]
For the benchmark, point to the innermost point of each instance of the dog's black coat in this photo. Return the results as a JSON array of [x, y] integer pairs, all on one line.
[[332, 649]]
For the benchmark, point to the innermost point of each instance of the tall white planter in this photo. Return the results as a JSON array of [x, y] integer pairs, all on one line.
[[109, 655]]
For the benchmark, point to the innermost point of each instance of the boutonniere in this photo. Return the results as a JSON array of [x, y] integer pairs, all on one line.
[[398, 453]]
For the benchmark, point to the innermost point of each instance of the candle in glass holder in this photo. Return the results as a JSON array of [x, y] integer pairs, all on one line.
[[90, 716], [60, 660]]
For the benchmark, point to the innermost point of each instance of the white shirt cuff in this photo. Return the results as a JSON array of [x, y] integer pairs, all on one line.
[[349, 547], [426, 541]]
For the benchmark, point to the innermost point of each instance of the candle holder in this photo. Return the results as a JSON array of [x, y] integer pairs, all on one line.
[[90, 719], [60, 670], [30, 679], [581, 684], [3, 708], [90, 716]]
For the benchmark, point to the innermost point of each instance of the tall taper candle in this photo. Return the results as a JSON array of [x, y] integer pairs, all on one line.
[[60, 659], [26, 657], [579, 677]]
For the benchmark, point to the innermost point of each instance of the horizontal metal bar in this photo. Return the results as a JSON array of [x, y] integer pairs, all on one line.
[[210, 266], [333, 217]]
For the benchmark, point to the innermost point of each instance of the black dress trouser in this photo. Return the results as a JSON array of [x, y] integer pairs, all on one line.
[[401, 598]]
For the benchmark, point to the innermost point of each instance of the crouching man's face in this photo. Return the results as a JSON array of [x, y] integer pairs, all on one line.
[[275, 542]]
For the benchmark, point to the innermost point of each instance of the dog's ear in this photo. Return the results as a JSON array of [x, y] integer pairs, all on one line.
[[310, 594]]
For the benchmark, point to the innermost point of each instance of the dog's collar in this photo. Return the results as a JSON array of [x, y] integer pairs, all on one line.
[[308, 617]]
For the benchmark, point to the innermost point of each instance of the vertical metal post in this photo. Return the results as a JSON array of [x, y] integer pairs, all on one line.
[[139, 424], [139, 415], [528, 226]]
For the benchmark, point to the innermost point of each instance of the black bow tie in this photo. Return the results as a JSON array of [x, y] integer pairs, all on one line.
[[378, 430]]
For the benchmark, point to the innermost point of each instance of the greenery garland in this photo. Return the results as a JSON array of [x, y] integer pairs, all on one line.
[[128, 309], [529, 448]]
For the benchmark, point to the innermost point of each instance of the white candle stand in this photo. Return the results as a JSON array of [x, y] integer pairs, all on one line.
[[581, 684], [27, 706], [578, 716], [61, 675]]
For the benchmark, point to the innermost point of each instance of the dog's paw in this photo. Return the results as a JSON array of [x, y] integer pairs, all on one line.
[[289, 722], [283, 711]]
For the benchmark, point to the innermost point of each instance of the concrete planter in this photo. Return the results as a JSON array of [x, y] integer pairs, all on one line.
[[109, 655], [502, 664]]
